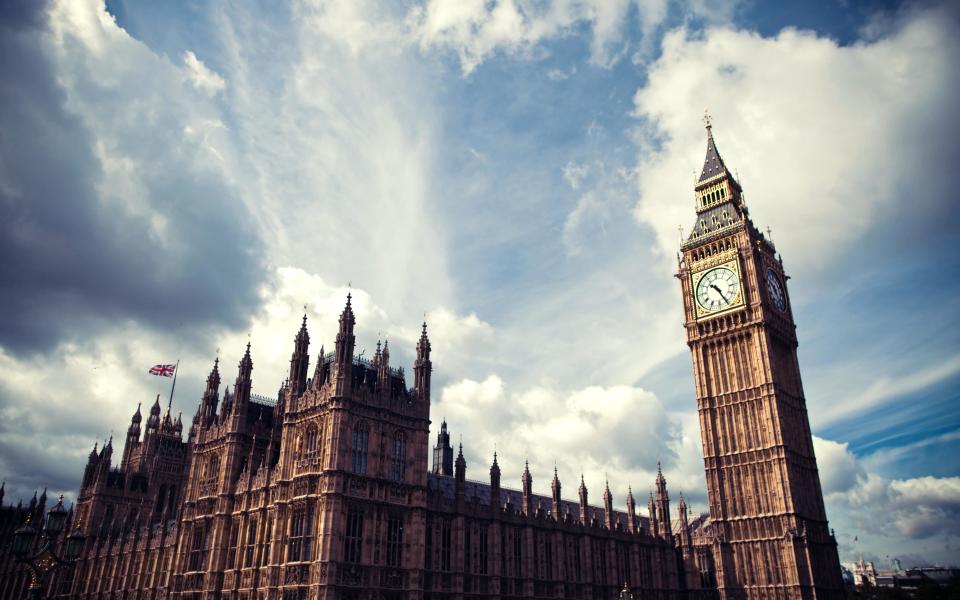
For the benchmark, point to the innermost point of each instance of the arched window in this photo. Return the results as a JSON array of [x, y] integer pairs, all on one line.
[[398, 464], [310, 443], [213, 466], [358, 453]]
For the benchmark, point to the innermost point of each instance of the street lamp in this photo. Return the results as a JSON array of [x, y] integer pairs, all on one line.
[[45, 558], [625, 593]]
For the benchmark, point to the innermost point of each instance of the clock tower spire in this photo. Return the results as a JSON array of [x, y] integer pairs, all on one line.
[[767, 515]]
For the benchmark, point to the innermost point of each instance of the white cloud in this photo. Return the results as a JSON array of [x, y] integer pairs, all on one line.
[[201, 76], [335, 147], [618, 432], [839, 468], [827, 138], [863, 504], [476, 30], [574, 173]]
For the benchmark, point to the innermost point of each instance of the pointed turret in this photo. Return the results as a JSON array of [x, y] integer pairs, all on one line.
[[663, 506], [460, 468], [495, 483], [719, 197], [133, 432], [153, 421], [343, 354], [383, 368], [299, 361], [226, 405], [713, 165], [631, 511], [607, 506], [527, 481], [652, 512], [106, 458], [133, 437], [243, 384], [555, 491], [319, 373], [422, 367], [443, 452], [208, 406], [90, 470], [684, 533], [583, 501]]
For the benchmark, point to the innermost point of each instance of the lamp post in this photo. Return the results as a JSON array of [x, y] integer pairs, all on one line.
[[45, 559], [625, 593]]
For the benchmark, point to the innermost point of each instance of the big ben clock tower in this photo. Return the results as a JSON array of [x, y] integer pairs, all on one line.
[[771, 538]]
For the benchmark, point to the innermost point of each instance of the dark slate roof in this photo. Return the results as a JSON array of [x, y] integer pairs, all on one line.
[[713, 163], [728, 214]]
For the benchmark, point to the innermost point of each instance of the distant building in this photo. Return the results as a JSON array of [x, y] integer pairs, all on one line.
[[866, 574]]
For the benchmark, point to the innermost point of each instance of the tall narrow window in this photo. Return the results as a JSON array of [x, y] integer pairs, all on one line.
[[467, 546], [310, 445], [445, 543], [482, 542], [267, 537], [398, 465], [251, 542], [196, 561], [234, 541], [300, 542], [352, 547], [394, 541], [517, 571], [361, 437], [213, 467]]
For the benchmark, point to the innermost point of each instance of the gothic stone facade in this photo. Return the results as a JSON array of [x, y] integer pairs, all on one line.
[[768, 524], [324, 492]]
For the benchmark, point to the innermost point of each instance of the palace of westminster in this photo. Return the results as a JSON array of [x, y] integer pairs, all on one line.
[[325, 491]]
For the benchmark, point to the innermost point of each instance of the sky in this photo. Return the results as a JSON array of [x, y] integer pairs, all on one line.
[[178, 178]]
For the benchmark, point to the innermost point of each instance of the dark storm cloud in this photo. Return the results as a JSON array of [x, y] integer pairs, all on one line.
[[69, 260]]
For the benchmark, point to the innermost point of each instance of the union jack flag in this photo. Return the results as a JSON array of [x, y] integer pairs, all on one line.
[[163, 370]]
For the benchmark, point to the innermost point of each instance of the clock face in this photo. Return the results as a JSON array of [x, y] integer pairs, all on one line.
[[775, 291], [717, 289]]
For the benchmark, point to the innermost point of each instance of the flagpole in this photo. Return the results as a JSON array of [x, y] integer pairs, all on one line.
[[174, 384]]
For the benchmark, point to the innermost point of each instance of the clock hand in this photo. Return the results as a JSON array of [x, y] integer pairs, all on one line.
[[718, 291]]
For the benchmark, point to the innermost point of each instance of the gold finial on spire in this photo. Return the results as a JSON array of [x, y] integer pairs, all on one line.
[[707, 121]]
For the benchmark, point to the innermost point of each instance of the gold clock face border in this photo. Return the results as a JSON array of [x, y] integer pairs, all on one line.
[[701, 313]]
